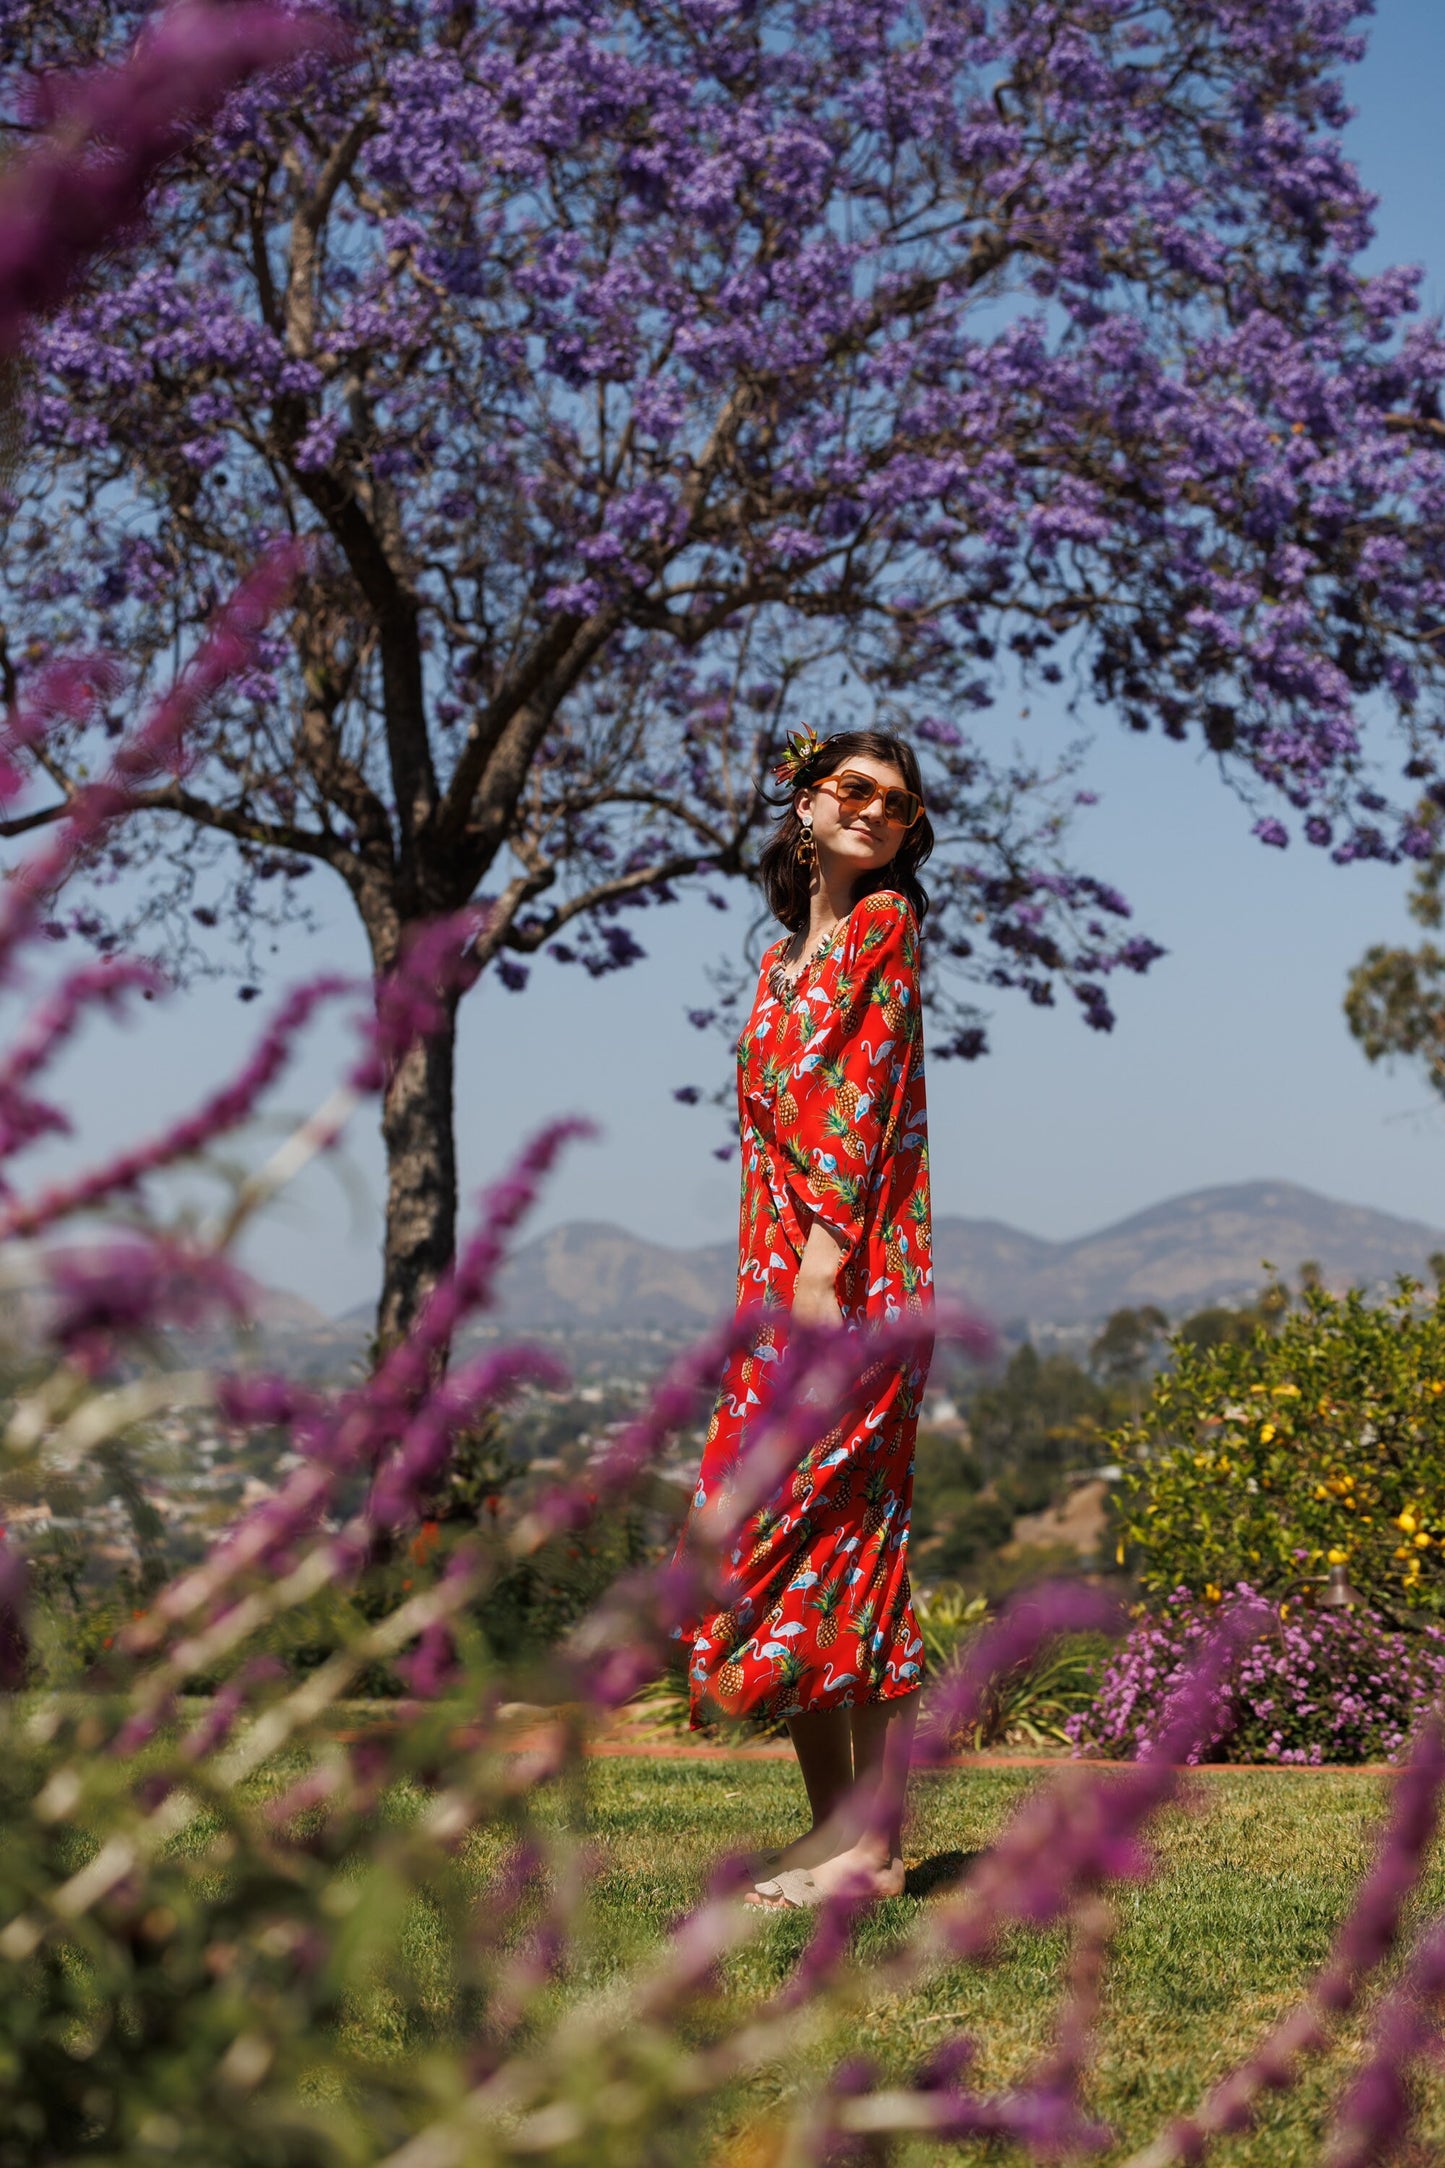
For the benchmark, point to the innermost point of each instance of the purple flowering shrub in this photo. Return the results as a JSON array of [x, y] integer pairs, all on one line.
[[1314, 1687], [1320, 1443]]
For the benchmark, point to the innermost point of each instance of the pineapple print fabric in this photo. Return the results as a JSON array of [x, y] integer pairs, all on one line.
[[833, 1125]]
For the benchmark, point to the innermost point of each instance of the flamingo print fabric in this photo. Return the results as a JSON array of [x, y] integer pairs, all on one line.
[[818, 1613]]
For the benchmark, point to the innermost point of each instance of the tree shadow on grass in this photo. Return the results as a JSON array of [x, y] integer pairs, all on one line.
[[939, 1872]]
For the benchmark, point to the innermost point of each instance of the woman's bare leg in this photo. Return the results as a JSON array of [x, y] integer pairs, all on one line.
[[823, 1742], [856, 1841], [882, 1752], [869, 1860]]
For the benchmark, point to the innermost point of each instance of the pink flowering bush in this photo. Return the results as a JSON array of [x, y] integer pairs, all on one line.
[[1314, 1687]]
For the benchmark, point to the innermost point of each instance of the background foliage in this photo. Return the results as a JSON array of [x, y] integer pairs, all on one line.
[[1320, 1442]]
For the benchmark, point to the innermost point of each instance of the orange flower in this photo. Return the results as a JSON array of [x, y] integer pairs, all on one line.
[[425, 1541]]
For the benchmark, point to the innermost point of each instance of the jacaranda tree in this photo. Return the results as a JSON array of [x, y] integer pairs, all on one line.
[[640, 376]]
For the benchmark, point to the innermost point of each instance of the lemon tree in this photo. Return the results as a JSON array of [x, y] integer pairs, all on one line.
[[1318, 1443]]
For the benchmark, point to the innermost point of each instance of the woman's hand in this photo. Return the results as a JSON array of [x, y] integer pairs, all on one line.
[[815, 1290]]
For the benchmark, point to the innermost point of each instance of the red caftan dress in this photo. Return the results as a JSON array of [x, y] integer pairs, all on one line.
[[818, 1613]]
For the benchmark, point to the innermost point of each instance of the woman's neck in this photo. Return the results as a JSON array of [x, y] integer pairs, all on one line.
[[830, 902]]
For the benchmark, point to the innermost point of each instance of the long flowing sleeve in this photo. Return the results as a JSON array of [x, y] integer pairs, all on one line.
[[849, 1083]]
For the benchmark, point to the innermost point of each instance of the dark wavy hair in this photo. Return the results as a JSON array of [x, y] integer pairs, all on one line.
[[788, 883]]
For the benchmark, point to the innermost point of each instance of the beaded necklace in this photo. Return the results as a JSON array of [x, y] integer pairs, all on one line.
[[782, 985]]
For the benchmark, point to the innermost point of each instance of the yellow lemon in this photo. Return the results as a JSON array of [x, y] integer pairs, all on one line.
[[1406, 1520]]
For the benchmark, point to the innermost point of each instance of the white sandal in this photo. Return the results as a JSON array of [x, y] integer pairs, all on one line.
[[794, 1890]]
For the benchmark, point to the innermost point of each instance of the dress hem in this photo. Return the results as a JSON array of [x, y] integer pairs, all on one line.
[[815, 1707]]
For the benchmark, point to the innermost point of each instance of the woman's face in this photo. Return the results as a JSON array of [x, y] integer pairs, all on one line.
[[860, 841]]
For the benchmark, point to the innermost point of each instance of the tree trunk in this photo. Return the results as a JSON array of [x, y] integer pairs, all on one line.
[[418, 1127]]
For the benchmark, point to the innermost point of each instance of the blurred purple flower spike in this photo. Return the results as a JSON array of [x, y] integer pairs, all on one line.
[[1377, 2112], [157, 749], [432, 1664], [436, 966], [417, 1465], [63, 691], [131, 1285], [1027, 1623], [217, 1116], [23, 1117], [110, 133]]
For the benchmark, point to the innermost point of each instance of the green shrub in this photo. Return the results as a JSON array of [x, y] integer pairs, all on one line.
[[1319, 1443], [1043, 1417], [976, 1526], [1030, 1706]]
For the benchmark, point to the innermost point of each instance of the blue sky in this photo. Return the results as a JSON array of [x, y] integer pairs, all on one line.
[[1230, 1061]]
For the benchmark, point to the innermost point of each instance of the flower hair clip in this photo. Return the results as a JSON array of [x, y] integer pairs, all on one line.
[[801, 746]]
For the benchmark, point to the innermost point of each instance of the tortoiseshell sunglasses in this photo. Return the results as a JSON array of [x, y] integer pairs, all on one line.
[[855, 792]]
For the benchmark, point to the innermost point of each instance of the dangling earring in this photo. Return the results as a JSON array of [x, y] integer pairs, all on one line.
[[806, 848]]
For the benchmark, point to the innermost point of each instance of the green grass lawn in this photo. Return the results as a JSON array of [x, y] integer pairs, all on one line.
[[1251, 1883]]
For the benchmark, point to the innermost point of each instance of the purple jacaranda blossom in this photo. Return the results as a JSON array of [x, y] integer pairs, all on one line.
[[83, 184], [837, 379]]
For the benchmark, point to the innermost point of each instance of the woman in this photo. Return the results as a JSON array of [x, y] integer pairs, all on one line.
[[818, 1623]]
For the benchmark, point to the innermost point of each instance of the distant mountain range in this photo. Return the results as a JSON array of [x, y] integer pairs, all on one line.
[[1207, 1247]]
